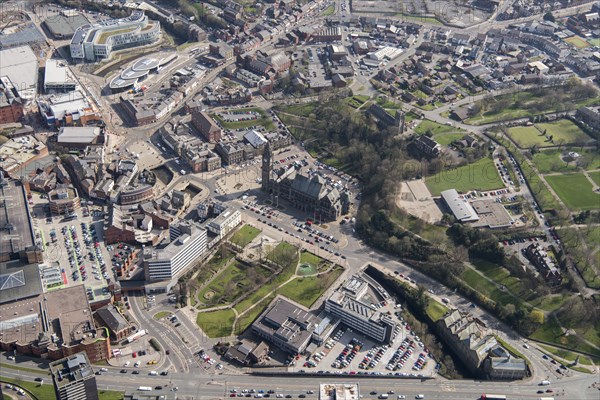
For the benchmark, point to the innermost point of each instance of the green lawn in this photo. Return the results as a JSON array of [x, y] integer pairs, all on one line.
[[161, 315], [487, 288], [578, 42], [548, 161], [245, 235], [575, 190], [566, 355], [435, 310], [502, 276], [564, 130], [595, 175], [310, 258], [284, 254], [307, 290], [527, 136], [594, 42], [329, 11], [302, 110], [551, 332], [247, 319], [46, 392], [443, 134], [216, 324], [480, 175], [234, 281]]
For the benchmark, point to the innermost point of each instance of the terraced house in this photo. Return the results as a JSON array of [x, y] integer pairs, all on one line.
[[97, 41]]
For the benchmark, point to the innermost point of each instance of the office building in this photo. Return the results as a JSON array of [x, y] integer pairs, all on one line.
[[225, 222], [74, 378], [58, 77], [97, 41], [353, 303], [291, 327], [186, 248], [63, 200]]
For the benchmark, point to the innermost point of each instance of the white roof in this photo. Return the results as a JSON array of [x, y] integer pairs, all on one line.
[[56, 73], [20, 65], [255, 138], [71, 134], [462, 210]]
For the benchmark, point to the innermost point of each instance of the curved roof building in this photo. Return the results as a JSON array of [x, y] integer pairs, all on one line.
[[97, 41]]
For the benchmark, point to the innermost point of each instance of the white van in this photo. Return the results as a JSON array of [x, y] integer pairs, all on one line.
[[420, 396], [152, 373]]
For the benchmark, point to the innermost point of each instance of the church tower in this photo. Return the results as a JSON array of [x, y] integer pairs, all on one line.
[[266, 168]]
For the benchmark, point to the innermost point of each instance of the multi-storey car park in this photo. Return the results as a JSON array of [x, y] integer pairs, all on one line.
[[91, 42]]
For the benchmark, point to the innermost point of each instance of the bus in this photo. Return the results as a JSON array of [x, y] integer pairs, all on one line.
[[493, 397], [145, 389]]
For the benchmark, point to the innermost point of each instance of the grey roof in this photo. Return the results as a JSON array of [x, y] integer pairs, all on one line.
[[60, 25], [71, 369], [16, 230], [462, 210], [112, 318], [56, 73], [145, 64], [27, 34], [18, 281], [312, 187], [69, 134], [20, 65]]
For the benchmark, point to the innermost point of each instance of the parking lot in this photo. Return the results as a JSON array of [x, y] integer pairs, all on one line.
[[74, 250], [351, 353]]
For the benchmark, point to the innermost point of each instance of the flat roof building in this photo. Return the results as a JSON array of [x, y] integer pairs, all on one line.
[[55, 324], [290, 326], [17, 236], [353, 302], [74, 378], [339, 391], [97, 41], [187, 247], [58, 77], [64, 25], [462, 210], [79, 136], [21, 66]]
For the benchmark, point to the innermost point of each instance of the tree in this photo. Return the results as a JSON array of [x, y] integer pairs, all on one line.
[[549, 17]]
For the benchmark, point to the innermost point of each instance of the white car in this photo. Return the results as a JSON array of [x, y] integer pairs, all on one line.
[[127, 364], [137, 364]]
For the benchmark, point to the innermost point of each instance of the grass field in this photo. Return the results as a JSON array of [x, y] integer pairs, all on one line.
[[356, 101], [310, 258], [245, 235], [564, 130], [551, 332], [595, 175], [216, 324], [566, 355], [594, 42], [578, 42], [481, 175], [233, 282], [435, 310], [329, 11], [307, 290], [443, 134], [548, 161], [575, 190], [161, 315], [46, 392]]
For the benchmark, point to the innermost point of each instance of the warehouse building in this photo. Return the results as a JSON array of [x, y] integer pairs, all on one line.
[[64, 25], [20, 65], [58, 77]]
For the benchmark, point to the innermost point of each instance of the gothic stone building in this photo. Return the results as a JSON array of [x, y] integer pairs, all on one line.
[[309, 194]]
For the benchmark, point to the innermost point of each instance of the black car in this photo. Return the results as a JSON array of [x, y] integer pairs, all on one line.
[[164, 373], [136, 372], [373, 393], [123, 371], [158, 388]]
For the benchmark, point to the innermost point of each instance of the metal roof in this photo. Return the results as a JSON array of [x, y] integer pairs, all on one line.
[[462, 210]]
